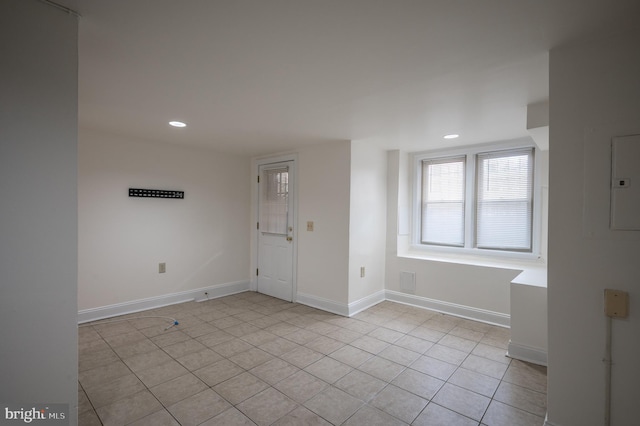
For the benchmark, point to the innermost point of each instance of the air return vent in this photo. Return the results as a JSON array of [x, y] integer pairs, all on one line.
[[408, 282]]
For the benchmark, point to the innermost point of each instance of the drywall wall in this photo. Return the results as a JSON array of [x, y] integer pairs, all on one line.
[[38, 221], [323, 197], [393, 203], [529, 338], [470, 286], [367, 220], [594, 95], [203, 239]]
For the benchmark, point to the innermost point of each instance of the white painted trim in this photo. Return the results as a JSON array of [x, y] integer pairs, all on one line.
[[366, 302], [547, 422], [255, 193], [221, 290], [469, 312], [324, 304], [109, 311], [527, 353]]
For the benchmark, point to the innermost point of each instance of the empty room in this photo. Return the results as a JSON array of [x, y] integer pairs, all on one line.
[[351, 212]]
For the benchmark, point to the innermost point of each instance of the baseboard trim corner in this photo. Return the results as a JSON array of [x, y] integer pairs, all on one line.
[[527, 353], [366, 302], [322, 303], [547, 422]]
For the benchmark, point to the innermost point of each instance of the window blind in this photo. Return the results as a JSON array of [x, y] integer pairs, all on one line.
[[504, 200], [443, 201], [274, 202]]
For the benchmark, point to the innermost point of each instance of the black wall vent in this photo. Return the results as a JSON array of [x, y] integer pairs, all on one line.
[[155, 193]]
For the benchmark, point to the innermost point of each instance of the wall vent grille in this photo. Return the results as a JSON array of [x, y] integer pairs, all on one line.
[[408, 282]]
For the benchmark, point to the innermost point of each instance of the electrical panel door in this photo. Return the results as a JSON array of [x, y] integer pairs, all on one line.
[[625, 183]]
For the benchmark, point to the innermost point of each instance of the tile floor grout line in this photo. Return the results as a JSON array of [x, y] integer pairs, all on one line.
[[88, 399], [132, 372], [315, 318]]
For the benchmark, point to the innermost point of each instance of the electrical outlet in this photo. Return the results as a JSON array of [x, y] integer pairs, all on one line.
[[162, 268], [310, 226], [362, 272]]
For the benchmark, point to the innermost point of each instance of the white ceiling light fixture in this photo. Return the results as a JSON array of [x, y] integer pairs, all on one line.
[[177, 124], [452, 136]]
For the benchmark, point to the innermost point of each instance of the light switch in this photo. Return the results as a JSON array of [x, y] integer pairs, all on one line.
[[310, 226], [616, 303]]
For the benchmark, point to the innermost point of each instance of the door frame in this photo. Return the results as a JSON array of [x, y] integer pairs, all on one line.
[[255, 172]]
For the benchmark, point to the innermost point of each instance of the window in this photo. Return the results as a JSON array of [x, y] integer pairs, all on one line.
[[476, 199], [443, 202], [273, 206], [504, 200]]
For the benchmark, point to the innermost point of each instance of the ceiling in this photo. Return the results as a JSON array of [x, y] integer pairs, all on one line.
[[260, 76]]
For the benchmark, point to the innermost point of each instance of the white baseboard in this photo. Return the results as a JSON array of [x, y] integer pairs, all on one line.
[[366, 302], [324, 304], [343, 309], [469, 312], [527, 353], [547, 422], [221, 290], [489, 317], [109, 311]]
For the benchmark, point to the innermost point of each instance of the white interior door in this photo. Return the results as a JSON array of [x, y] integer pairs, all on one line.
[[276, 229]]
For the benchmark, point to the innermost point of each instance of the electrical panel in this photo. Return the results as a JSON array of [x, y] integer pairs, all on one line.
[[625, 183]]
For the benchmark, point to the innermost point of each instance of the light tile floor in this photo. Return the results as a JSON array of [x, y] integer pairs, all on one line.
[[249, 359]]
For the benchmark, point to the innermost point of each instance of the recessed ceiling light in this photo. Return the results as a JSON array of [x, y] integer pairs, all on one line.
[[177, 124], [451, 136]]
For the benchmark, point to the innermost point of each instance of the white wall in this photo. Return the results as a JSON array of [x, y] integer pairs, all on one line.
[[367, 223], [323, 197], [204, 238], [529, 337], [38, 239], [476, 287], [594, 95]]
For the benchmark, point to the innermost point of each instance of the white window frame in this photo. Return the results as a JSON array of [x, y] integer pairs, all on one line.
[[470, 202], [434, 161]]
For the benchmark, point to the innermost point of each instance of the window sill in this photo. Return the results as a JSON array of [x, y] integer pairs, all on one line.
[[514, 261], [534, 277]]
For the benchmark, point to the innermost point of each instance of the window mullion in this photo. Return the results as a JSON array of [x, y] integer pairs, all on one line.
[[469, 216], [417, 202], [536, 199]]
